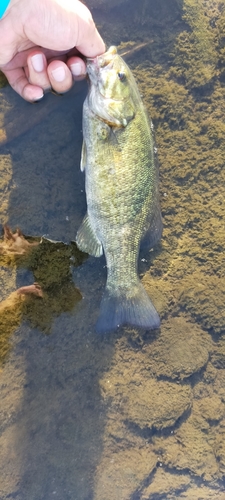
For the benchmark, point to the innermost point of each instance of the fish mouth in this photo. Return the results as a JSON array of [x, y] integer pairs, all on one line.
[[102, 61], [97, 68]]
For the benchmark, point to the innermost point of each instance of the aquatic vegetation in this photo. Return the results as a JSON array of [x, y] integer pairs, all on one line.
[[195, 56], [3, 80], [50, 264], [41, 314], [9, 322], [11, 315]]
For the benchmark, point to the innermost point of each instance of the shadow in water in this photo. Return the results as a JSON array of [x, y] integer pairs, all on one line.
[[50, 389]]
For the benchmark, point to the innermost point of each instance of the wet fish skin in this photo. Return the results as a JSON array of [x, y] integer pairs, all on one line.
[[121, 180]]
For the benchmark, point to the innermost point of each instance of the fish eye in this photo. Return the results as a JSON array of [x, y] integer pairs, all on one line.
[[121, 76]]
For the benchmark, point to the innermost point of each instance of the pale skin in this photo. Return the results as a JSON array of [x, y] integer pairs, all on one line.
[[42, 42]]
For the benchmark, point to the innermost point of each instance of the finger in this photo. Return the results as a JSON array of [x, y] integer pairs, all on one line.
[[37, 70], [69, 25], [20, 59], [89, 41], [77, 67], [19, 82], [60, 76]]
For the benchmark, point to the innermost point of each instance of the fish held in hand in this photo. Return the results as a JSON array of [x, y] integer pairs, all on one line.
[[121, 180]]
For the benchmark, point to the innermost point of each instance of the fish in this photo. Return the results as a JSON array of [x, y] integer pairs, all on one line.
[[122, 189]]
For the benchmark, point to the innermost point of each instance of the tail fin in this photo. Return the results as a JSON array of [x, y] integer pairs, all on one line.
[[120, 309]]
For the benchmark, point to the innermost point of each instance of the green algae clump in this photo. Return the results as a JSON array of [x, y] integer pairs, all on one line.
[[195, 55]]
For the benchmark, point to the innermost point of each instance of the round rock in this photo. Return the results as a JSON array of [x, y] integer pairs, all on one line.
[[156, 404], [181, 349]]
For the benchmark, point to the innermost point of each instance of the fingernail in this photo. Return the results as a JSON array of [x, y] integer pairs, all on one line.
[[76, 69], [38, 62], [39, 98], [59, 74]]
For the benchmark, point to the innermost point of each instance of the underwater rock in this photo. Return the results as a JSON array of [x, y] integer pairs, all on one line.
[[120, 474], [181, 349], [164, 484], [130, 387], [191, 448], [155, 404], [203, 297], [161, 291], [211, 408]]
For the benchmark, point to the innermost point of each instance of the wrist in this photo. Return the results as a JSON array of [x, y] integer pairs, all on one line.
[[3, 7]]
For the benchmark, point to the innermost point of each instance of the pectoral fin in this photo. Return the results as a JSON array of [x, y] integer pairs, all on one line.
[[83, 161], [87, 240]]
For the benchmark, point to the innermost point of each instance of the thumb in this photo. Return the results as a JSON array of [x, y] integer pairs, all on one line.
[[62, 25]]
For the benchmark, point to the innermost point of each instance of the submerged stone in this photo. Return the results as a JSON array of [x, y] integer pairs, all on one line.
[[211, 408], [203, 297], [155, 404], [191, 448], [181, 349], [165, 483]]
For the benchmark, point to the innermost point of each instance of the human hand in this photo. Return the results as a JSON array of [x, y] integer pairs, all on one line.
[[42, 43]]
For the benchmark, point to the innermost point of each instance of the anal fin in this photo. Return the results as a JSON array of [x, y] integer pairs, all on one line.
[[87, 240]]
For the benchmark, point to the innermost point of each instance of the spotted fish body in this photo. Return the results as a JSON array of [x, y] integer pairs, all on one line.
[[121, 181]]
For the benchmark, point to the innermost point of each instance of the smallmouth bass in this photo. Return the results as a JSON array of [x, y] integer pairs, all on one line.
[[121, 181]]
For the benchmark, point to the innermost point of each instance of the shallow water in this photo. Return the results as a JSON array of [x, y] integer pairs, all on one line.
[[130, 415]]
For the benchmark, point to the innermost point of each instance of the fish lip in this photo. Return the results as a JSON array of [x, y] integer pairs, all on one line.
[[91, 59], [103, 60], [98, 62], [95, 62]]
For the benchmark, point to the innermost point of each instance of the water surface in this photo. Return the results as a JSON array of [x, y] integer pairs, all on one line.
[[130, 415]]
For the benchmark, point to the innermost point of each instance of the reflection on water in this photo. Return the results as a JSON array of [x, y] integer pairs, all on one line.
[[130, 415]]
